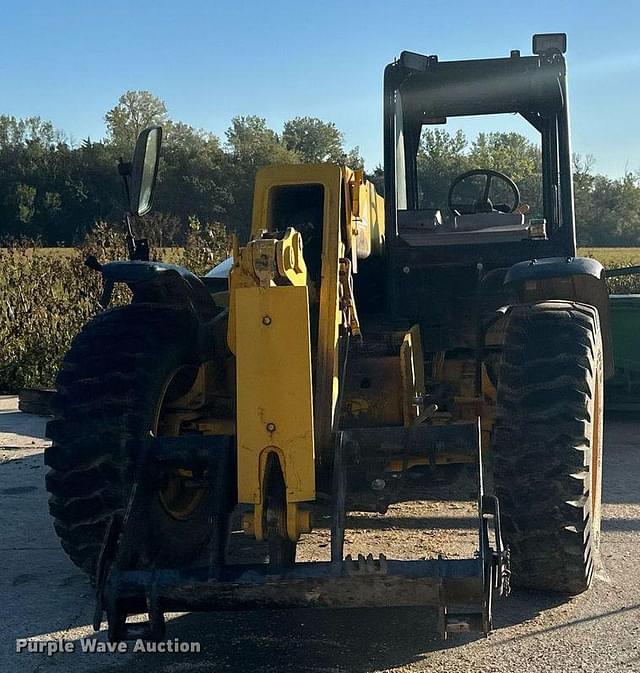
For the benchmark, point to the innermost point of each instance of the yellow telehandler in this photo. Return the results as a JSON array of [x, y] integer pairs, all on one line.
[[349, 349]]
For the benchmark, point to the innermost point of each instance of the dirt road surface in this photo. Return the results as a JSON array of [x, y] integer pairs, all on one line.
[[44, 597]]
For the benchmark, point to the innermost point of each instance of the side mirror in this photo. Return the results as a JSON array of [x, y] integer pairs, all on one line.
[[144, 170]]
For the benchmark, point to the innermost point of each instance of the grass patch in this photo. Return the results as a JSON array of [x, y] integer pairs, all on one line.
[[613, 257], [48, 294], [616, 258]]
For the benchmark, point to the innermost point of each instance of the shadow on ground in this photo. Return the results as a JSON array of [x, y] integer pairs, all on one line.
[[297, 641], [23, 425]]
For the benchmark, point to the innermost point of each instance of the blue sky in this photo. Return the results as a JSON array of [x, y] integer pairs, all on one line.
[[68, 61]]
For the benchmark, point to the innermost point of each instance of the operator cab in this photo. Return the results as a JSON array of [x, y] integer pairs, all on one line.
[[483, 205], [479, 207]]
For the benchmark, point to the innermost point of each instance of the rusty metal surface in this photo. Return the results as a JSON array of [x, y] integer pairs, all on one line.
[[365, 582]]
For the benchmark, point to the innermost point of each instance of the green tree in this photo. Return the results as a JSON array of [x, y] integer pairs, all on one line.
[[252, 144], [441, 157], [134, 111], [316, 141], [615, 210], [377, 178], [607, 209], [313, 140], [192, 177], [16, 133], [583, 183], [517, 157], [25, 202], [54, 190]]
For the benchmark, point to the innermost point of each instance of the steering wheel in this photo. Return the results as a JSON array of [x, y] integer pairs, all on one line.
[[466, 204]]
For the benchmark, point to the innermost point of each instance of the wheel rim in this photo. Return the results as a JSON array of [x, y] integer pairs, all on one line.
[[178, 498], [596, 449]]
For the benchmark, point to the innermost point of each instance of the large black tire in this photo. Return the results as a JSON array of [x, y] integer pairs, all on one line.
[[547, 445], [113, 380]]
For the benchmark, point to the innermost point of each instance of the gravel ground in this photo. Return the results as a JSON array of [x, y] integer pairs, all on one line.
[[45, 598]]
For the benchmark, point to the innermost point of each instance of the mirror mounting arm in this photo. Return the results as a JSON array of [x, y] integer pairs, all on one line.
[[124, 169], [138, 248]]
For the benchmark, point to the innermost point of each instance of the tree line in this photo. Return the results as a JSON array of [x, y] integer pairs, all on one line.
[[54, 190]]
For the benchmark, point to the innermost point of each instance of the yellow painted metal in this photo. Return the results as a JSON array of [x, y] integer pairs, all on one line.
[[412, 372], [248, 523], [205, 408], [269, 330], [330, 177], [183, 409], [274, 395], [240, 276], [350, 319], [373, 392], [376, 220], [195, 397], [364, 207], [327, 372], [272, 177], [351, 201], [298, 521], [179, 501], [289, 258], [265, 262], [365, 216]]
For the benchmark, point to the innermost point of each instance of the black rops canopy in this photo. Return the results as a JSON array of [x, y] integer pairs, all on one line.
[[432, 90]]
